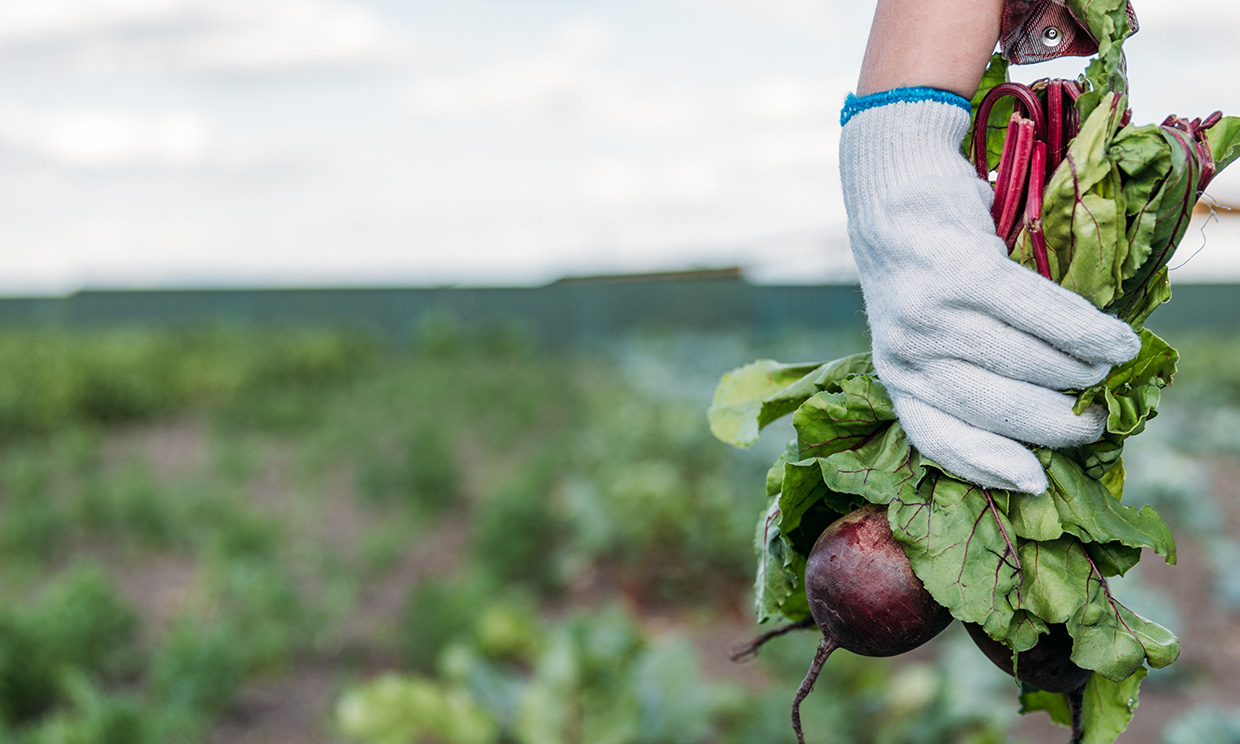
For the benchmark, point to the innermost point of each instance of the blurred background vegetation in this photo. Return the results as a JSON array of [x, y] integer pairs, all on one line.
[[244, 534]]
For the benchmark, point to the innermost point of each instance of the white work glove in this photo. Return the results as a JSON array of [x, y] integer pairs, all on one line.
[[972, 346]]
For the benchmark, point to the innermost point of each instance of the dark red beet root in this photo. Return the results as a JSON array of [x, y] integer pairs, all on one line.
[[862, 590], [1047, 666], [864, 596]]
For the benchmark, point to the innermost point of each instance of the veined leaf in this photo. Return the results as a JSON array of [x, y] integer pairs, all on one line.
[[1106, 706], [1173, 208], [1108, 24], [1083, 216], [1133, 389], [883, 468], [833, 422], [1054, 571], [1107, 637], [1137, 303], [1114, 641], [1025, 630], [1113, 558], [960, 545], [1034, 516], [1143, 158], [1090, 512]]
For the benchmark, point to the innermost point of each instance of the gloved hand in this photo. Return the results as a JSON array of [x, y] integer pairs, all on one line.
[[972, 346]]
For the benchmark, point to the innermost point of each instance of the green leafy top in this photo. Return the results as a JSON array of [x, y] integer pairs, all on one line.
[[1107, 21]]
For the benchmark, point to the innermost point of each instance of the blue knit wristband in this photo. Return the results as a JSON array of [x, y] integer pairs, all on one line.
[[854, 105]]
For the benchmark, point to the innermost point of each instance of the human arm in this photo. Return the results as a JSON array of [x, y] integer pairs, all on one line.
[[941, 44]]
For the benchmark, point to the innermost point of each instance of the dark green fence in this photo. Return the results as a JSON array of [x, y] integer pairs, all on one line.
[[570, 312]]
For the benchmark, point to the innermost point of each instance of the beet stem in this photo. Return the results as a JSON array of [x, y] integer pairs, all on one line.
[[1012, 174], [1025, 98], [824, 650], [1055, 124], [1003, 175], [1033, 212], [750, 650], [1076, 703]]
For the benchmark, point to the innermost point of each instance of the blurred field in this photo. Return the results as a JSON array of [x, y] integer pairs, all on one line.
[[242, 535]]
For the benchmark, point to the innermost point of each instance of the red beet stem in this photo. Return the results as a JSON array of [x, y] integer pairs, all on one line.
[[1013, 173], [1027, 103], [1033, 209], [1055, 124], [1003, 180]]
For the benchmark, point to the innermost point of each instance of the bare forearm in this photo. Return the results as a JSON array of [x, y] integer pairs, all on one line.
[[933, 43]]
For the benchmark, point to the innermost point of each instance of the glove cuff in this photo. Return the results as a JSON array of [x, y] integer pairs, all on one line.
[[897, 136], [854, 105]]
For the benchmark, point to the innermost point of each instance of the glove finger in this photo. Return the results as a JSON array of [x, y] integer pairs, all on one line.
[[1060, 317], [1012, 353], [1011, 408], [973, 454]]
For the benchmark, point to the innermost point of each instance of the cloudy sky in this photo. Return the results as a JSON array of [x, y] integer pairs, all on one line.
[[326, 142]]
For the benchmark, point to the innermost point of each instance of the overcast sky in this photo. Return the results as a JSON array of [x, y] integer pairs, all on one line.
[[327, 142]]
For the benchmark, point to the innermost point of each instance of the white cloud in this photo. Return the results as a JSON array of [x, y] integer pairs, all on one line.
[[619, 182], [103, 36], [806, 15], [570, 80], [563, 80], [107, 138]]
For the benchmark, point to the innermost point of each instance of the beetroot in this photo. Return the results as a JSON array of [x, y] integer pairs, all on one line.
[[862, 591], [864, 595], [1047, 666]]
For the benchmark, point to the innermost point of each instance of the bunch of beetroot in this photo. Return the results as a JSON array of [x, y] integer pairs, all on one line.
[[879, 548]]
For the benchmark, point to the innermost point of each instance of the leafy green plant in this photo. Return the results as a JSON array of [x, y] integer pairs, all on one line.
[[403, 710], [198, 669], [264, 610], [53, 378], [79, 624], [438, 612], [131, 505], [93, 716], [518, 533], [417, 472]]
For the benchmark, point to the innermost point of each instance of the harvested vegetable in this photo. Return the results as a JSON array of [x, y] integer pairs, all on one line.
[[864, 596], [1098, 205]]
